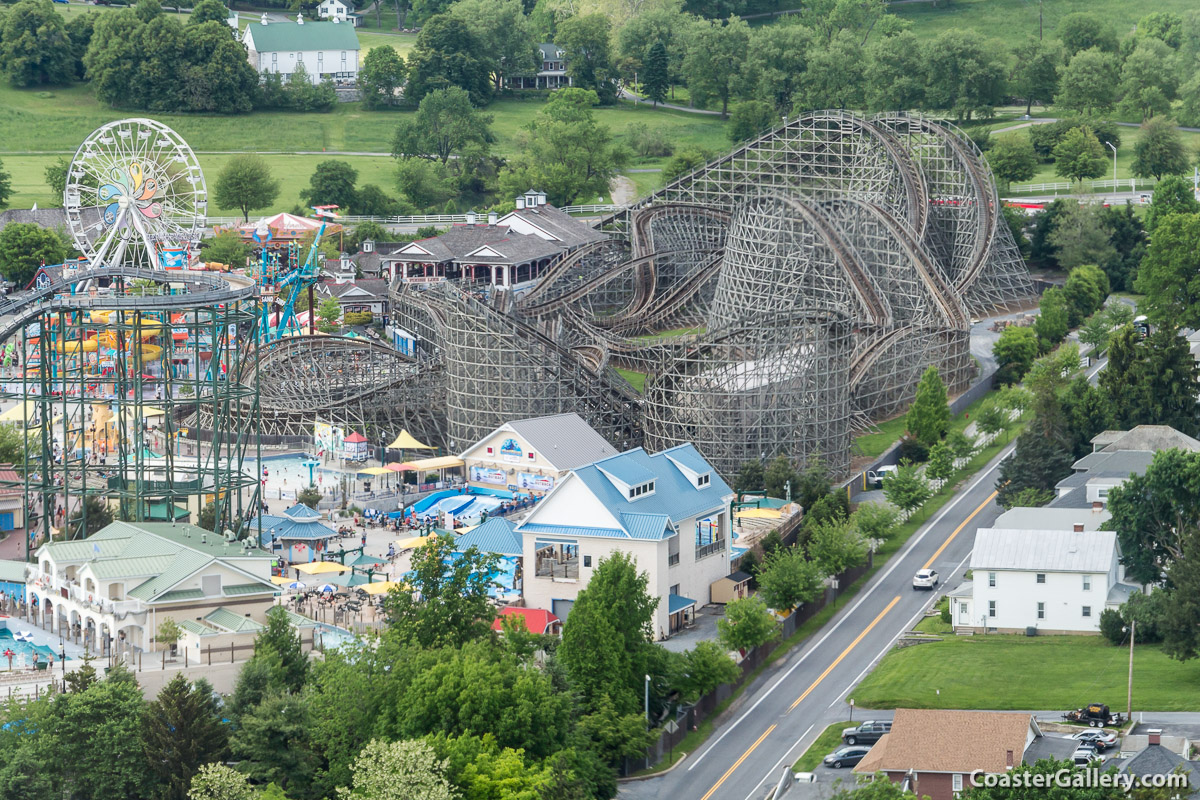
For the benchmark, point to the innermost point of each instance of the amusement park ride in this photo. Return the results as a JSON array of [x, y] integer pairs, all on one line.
[[295, 278], [111, 357]]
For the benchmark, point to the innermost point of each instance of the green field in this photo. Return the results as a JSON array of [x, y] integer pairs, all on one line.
[[1011, 21], [1056, 672], [40, 126]]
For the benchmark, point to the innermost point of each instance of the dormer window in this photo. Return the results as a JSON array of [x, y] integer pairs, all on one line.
[[703, 480], [641, 489]]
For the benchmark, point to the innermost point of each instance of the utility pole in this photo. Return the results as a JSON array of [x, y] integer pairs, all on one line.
[[1129, 696]]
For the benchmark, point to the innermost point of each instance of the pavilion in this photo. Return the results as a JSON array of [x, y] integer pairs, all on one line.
[[300, 532]]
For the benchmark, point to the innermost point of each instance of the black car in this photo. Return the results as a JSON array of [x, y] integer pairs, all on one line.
[[847, 756]]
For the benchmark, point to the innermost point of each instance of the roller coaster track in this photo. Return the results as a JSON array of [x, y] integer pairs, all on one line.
[[29, 305], [679, 295], [563, 266]]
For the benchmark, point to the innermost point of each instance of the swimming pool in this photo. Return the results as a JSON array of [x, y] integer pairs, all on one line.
[[333, 637], [289, 472], [22, 651]]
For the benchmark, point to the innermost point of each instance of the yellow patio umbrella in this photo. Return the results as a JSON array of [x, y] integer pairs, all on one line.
[[280, 580], [380, 587], [758, 513], [406, 441], [374, 471], [318, 567], [413, 541]]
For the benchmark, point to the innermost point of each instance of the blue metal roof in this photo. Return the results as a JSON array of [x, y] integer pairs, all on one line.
[[687, 455], [674, 493], [647, 526], [301, 511], [497, 535], [573, 530], [626, 470], [311, 529], [676, 603]]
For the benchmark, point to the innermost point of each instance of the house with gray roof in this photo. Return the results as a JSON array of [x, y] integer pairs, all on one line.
[[115, 588], [508, 252], [300, 534], [1115, 456], [551, 72], [669, 511], [1054, 580], [533, 454], [322, 49], [1156, 758]]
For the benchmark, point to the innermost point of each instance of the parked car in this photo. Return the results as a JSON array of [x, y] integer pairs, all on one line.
[[925, 579], [1086, 756], [868, 732], [1102, 739], [847, 756]]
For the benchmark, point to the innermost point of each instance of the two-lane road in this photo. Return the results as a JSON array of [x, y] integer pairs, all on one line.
[[790, 705]]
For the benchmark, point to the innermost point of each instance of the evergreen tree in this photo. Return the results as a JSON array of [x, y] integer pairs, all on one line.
[[656, 78], [1039, 462], [280, 638], [182, 732], [929, 416], [749, 478]]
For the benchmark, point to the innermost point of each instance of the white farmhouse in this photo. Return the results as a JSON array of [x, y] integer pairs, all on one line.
[[1057, 581], [324, 49], [668, 510]]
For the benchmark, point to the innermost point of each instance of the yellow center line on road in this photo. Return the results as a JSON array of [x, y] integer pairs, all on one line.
[[844, 653], [934, 557], [738, 763]]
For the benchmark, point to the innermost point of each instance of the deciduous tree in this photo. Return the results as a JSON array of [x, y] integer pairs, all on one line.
[[1014, 352], [1159, 151], [940, 465], [907, 490], [1148, 81], [787, 578], [1169, 275], [505, 36], [1080, 155], [35, 49], [1088, 84], [964, 74], [381, 77], [895, 73], [749, 119], [25, 247], [453, 608], [776, 60], [332, 183], [245, 183], [716, 54], [747, 624], [219, 782], [1012, 158], [448, 54], [706, 666], [446, 126], [875, 521], [1083, 31], [1172, 195], [1035, 76], [587, 40], [6, 187]]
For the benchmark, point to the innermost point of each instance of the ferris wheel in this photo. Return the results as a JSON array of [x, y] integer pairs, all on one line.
[[135, 196]]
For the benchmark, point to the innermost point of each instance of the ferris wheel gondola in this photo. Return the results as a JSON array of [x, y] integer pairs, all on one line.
[[135, 195]]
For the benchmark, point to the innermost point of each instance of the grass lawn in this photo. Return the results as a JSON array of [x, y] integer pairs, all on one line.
[[826, 743], [72, 10], [39, 126], [402, 43], [636, 379], [646, 182], [1012, 21], [872, 445], [977, 672]]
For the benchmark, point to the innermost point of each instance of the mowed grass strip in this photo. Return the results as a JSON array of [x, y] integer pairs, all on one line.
[[829, 740], [1035, 673]]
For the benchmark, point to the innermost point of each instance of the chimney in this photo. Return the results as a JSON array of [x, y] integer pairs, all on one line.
[[492, 217], [470, 217], [1097, 506], [1008, 759], [299, 19], [264, 18], [204, 538], [1155, 735], [1079, 527], [520, 203]]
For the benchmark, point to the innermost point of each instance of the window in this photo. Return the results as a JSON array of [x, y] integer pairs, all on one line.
[[1087, 583], [991, 608], [956, 782], [587, 561], [991, 579], [343, 55], [1087, 611], [556, 559], [1102, 493], [532, 455], [1041, 577], [320, 55], [675, 589], [491, 451], [274, 58], [1041, 610], [703, 480]]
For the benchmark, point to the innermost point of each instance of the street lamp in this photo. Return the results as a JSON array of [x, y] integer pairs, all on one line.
[[1129, 695], [1112, 147]]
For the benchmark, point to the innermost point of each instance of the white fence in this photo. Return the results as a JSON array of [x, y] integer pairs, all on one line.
[[1119, 185], [430, 219]]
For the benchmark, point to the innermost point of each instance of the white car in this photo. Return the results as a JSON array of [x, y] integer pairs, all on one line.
[[925, 579]]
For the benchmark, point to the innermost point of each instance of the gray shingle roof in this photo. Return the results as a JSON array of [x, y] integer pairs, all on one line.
[[1051, 519], [460, 240], [1043, 550], [1158, 760], [46, 217], [1146, 437], [561, 225], [565, 440], [1076, 498], [1115, 463]]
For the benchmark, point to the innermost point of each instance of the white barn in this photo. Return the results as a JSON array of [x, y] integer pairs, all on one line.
[[325, 49]]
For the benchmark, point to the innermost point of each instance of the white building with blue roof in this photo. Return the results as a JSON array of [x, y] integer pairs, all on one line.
[[668, 510]]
